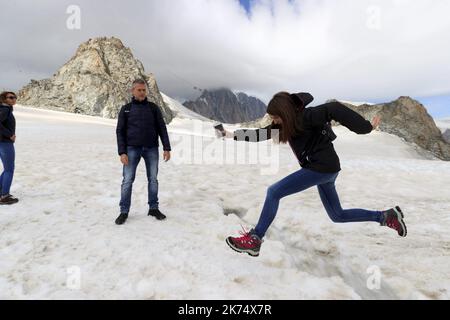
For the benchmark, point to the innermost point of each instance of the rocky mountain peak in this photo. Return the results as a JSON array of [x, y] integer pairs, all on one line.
[[408, 119], [95, 81]]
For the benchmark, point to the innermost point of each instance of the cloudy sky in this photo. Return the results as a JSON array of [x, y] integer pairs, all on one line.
[[356, 50]]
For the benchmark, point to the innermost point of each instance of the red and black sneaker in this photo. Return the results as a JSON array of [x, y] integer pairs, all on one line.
[[248, 243], [393, 218]]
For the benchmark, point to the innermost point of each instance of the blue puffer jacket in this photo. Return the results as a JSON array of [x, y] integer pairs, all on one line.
[[139, 124], [7, 123]]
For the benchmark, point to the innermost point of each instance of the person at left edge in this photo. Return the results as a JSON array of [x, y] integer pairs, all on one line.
[[7, 152]]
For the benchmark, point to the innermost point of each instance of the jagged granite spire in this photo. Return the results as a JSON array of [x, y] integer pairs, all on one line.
[[95, 81]]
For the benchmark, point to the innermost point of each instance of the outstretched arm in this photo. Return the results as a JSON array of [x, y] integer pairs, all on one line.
[[257, 135], [344, 115]]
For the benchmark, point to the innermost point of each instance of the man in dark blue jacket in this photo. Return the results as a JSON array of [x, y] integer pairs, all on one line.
[[139, 125]]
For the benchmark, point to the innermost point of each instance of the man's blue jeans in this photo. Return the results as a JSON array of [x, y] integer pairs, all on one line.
[[305, 179], [151, 158], [7, 155]]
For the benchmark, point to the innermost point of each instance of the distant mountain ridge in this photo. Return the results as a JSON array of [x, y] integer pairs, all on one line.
[[225, 106], [181, 111]]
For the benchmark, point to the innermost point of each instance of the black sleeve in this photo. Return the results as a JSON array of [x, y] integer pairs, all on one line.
[[162, 129], [3, 113], [121, 132], [257, 135], [4, 131], [341, 113]]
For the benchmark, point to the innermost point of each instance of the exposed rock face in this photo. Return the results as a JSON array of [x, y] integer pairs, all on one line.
[[225, 106], [446, 135], [96, 81], [408, 119], [253, 107]]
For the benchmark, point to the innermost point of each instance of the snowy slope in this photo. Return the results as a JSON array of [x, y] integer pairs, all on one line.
[[181, 111], [356, 103], [68, 178], [443, 124]]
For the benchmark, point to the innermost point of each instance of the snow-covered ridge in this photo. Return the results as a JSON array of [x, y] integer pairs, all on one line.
[[356, 103], [35, 114], [443, 124], [180, 110]]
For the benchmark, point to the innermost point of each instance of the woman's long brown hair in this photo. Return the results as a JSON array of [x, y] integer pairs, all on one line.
[[283, 106]]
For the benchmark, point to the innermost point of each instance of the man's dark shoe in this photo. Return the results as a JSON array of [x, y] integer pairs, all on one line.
[[8, 200], [121, 219], [157, 214]]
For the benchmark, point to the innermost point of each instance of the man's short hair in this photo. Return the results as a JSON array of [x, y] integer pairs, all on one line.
[[138, 81]]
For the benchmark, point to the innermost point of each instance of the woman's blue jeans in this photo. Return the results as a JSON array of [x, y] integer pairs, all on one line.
[[305, 179], [7, 155], [151, 158]]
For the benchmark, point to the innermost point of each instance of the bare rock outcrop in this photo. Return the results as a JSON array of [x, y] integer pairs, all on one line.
[[95, 81]]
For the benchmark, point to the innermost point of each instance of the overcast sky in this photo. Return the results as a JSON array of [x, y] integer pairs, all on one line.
[[356, 50]]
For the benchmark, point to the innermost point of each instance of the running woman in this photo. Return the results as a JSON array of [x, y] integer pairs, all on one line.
[[308, 132]]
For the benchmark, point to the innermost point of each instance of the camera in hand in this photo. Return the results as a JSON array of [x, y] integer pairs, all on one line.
[[221, 129]]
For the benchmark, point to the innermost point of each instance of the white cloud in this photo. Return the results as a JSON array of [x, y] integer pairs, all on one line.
[[347, 49]]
